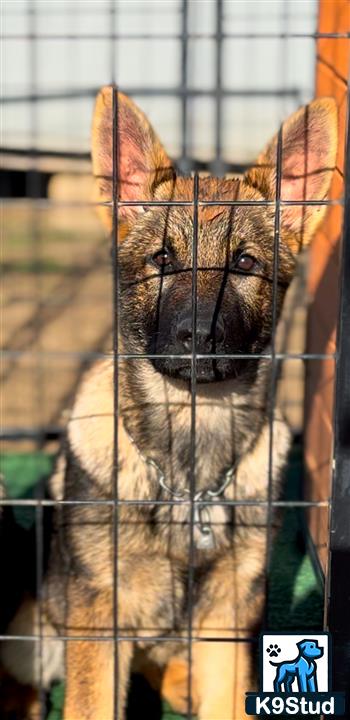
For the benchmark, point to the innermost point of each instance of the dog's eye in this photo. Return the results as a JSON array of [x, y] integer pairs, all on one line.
[[245, 263], [162, 258]]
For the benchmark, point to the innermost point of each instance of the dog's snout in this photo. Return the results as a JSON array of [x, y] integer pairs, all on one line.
[[209, 332]]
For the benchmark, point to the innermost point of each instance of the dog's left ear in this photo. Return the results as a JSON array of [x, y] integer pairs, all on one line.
[[140, 161], [309, 147], [301, 644]]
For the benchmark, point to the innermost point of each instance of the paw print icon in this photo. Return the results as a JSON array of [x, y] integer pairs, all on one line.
[[273, 650]]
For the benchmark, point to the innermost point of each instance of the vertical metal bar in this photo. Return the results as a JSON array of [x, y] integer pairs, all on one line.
[[112, 45], [114, 249], [339, 576], [284, 54], [39, 561], [184, 82], [192, 475], [115, 320], [274, 361], [33, 193], [217, 165]]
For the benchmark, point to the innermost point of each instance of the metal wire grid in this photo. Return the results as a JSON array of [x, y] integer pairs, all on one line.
[[40, 503], [182, 91]]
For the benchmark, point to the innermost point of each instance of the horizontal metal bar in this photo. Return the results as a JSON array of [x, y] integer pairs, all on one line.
[[45, 433], [166, 356], [222, 203], [192, 163], [32, 502], [176, 91], [62, 354], [132, 638], [65, 154], [46, 202], [176, 36]]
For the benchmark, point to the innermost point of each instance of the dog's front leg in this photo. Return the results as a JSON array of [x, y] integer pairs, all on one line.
[[312, 685], [93, 666], [90, 690], [222, 672], [150, 596], [303, 683], [229, 609]]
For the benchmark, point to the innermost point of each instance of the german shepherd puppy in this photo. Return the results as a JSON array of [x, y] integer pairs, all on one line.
[[128, 566]]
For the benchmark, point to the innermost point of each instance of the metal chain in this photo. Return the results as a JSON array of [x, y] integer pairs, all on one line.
[[203, 526]]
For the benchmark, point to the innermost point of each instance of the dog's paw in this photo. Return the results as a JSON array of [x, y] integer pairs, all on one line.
[[273, 650], [175, 687]]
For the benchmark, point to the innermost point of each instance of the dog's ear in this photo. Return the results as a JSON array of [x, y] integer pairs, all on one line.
[[309, 147], [140, 161]]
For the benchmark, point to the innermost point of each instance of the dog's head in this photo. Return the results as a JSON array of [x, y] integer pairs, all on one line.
[[310, 649], [235, 245]]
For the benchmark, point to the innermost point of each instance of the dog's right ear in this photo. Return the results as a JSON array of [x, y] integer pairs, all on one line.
[[141, 163]]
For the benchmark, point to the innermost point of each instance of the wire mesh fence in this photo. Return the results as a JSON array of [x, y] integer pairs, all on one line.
[[180, 493]]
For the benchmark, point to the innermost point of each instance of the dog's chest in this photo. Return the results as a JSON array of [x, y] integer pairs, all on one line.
[[195, 473], [204, 451], [184, 524]]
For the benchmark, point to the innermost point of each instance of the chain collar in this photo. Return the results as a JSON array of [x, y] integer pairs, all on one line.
[[206, 538]]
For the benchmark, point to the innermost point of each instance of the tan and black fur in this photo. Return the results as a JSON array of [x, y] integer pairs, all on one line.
[[234, 316]]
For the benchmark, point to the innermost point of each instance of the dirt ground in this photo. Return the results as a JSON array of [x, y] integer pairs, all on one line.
[[57, 309]]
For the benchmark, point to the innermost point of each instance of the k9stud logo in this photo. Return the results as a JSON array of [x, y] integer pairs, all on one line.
[[295, 677], [295, 663]]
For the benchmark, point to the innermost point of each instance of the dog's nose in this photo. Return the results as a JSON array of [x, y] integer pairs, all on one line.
[[209, 332]]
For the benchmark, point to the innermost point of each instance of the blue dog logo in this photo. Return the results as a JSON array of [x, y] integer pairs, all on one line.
[[303, 669], [298, 687]]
